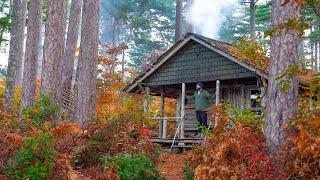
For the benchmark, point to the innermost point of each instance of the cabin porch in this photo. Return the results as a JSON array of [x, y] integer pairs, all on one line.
[[238, 92]]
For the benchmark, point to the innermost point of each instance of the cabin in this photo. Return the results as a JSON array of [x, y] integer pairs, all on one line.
[[194, 59]]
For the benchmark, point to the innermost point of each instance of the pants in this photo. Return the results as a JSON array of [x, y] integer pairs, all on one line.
[[202, 118]]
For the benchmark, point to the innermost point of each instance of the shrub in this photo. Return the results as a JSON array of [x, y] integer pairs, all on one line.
[[232, 152], [132, 167], [188, 173], [34, 160], [43, 110], [246, 117]]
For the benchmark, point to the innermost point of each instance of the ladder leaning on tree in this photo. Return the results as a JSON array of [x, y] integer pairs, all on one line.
[[67, 100]]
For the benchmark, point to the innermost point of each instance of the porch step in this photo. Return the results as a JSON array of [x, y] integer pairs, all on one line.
[[188, 128], [177, 141], [182, 146]]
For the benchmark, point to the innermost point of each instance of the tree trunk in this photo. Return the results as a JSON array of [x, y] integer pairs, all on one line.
[[312, 55], [32, 54], [54, 44], [190, 26], [71, 43], [22, 20], [316, 56], [253, 19], [178, 30], [86, 80], [18, 9], [284, 45], [301, 51]]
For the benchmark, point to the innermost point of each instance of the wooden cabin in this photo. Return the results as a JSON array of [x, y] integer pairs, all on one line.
[[198, 59]]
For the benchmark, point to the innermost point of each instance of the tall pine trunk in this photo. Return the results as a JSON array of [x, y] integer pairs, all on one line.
[[18, 10], [32, 54], [54, 44], [253, 19], [178, 30], [86, 81], [71, 43], [284, 45], [316, 56], [189, 26]]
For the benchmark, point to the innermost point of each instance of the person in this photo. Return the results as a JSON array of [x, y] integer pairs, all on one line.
[[202, 101]]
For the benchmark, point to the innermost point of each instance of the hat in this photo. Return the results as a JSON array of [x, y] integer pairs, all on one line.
[[200, 84]]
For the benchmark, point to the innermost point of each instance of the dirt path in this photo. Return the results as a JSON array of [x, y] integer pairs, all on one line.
[[171, 165]]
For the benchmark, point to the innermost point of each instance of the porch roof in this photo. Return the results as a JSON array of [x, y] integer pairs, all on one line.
[[219, 47]]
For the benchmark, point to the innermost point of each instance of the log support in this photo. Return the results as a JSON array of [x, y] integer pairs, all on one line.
[[217, 92], [217, 100], [242, 98], [146, 100], [178, 109], [164, 122], [183, 99]]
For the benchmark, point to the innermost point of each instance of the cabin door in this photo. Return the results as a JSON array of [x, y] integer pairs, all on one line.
[[233, 96]]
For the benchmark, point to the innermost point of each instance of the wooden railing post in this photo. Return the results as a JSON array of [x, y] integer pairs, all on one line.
[[217, 100], [164, 121], [183, 100], [178, 109], [146, 100], [242, 98]]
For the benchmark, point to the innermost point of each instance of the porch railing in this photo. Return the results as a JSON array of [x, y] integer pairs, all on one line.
[[163, 127]]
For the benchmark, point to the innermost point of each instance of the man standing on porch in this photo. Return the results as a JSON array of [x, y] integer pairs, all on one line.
[[202, 101]]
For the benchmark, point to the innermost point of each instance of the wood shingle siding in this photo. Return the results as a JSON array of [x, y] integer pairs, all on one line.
[[196, 62]]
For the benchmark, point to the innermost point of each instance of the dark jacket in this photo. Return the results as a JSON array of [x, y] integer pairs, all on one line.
[[202, 100]]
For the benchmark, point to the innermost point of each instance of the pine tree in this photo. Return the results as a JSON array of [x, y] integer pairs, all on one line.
[[18, 9], [86, 80], [71, 43], [54, 44], [282, 102], [178, 30], [31, 55]]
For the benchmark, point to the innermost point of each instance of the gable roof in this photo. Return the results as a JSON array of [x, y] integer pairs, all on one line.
[[219, 47]]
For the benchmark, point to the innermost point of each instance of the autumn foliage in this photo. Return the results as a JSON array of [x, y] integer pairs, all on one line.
[[235, 149], [232, 152]]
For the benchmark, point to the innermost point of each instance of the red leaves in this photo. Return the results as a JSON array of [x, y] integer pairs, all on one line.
[[234, 153]]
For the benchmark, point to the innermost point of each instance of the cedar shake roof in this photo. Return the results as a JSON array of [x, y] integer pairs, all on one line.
[[220, 47]]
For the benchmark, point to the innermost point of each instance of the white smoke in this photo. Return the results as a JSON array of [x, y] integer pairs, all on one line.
[[207, 17]]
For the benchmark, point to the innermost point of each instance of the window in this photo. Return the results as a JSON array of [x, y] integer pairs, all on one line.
[[255, 98]]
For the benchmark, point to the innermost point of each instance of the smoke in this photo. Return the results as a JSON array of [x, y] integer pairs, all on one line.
[[207, 17]]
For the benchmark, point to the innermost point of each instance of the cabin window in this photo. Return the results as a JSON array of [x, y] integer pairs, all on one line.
[[255, 98]]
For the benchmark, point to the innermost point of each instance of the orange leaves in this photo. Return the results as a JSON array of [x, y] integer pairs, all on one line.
[[112, 50], [298, 2], [233, 154], [251, 52], [66, 129]]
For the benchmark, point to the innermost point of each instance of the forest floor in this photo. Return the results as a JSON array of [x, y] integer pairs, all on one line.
[[171, 165]]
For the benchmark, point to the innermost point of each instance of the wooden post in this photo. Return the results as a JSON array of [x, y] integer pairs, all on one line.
[[183, 100], [146, 100], [264, 97], [164, 121], [217, 100], [178, 108], [217, 92], [264, 91], [242, 97]]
